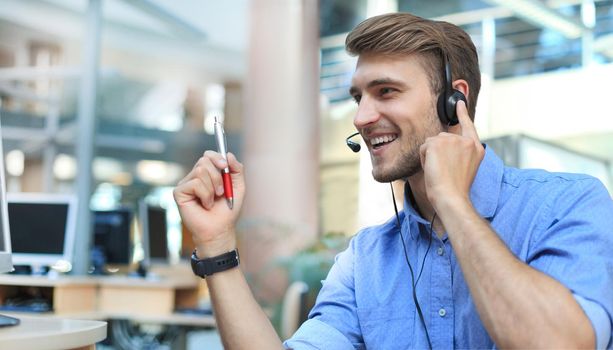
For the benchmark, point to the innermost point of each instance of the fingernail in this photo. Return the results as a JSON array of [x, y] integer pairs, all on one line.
[[219, 190]]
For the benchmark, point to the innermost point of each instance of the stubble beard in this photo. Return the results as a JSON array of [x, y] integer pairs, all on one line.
[[409, 163]]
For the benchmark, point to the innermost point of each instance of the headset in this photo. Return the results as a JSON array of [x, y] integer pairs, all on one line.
[[445, 107]]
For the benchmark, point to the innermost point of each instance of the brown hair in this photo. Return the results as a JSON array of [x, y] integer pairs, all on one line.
[[404, 33]]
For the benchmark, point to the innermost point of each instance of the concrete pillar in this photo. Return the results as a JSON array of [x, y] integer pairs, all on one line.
[[281, 138]]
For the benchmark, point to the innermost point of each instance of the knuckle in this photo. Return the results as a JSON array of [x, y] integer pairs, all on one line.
[[199, 171], [211, 155]]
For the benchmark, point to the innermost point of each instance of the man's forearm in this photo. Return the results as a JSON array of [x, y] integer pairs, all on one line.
[[519, 305], [241, 321]]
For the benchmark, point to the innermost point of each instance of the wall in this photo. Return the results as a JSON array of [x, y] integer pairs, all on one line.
[[553, 105]]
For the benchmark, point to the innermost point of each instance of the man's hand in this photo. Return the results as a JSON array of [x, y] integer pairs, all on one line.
[[450, 161], [203, 208]]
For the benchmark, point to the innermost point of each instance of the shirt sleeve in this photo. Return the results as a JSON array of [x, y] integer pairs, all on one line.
[[333, 321], [314, 334], [574, 247]]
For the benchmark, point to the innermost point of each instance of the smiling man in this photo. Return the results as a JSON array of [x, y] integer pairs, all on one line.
[[481, 256]]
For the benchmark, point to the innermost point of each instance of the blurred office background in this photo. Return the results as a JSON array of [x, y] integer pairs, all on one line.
[[113, 100]]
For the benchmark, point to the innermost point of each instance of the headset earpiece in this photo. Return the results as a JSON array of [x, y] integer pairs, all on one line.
[[451, 106], [448, 99]]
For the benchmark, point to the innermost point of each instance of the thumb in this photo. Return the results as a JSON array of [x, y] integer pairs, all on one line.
[[236, 167]]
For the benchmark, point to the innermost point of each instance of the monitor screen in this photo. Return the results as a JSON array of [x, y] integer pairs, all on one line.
[[6, 264], [155, 233], [42, 228], [112, 230]]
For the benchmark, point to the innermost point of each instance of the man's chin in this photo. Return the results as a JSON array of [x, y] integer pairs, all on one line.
[[394, 174], [385, 177]]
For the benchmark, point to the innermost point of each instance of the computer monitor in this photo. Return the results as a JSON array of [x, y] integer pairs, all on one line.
[[112, 235], [43, 229], [155, 233]]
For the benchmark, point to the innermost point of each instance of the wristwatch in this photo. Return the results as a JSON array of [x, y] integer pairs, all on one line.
[[209, 266]]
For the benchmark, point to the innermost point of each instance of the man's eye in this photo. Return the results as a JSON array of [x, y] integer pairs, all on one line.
[[385, 90], [357, 98]]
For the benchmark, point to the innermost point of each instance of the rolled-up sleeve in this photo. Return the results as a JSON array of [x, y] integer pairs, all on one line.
[[575, 248], [314, 334], [333, 321], [599, 319]]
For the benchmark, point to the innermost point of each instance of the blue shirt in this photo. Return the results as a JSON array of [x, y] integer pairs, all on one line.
[[560, 224]]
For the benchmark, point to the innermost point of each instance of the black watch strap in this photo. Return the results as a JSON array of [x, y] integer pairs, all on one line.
[[209, 266]]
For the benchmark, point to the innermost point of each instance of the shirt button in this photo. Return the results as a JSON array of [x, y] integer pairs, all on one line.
[[442, 312], [440, 251]]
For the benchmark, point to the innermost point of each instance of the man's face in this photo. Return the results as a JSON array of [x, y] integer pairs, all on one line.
[[396, 112]]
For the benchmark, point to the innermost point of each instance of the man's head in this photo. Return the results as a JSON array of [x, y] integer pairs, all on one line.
[[398, 78], [399, 34]]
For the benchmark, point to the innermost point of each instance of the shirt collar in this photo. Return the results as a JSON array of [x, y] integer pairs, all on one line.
[[484, 192]]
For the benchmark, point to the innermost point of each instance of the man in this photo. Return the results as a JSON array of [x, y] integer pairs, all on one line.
[[481, 256]]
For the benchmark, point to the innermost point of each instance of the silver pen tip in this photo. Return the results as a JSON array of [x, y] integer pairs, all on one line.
[[231, 203]]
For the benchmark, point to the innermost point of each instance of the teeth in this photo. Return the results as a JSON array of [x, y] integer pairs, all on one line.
[[381, 139]]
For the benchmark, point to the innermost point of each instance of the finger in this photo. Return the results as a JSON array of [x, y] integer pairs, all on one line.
[[201, 176], [204, 187], [217, 159], [214, 176], [467, 126], [208, 156], [235, 166], [194, 189], [191, 173]]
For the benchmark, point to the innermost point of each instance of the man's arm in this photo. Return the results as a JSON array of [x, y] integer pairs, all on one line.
[[519, 305], [241, 322]]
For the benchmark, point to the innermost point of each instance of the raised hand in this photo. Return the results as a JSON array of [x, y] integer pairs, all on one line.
[[450, 161], [203, 208]]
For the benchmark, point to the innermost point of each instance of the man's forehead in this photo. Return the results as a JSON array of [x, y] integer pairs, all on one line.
[[396, 68]]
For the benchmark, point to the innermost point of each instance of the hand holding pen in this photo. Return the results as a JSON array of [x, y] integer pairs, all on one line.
[[204, 195], [220, 136]]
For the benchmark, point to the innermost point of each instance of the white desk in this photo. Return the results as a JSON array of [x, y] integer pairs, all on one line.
[[42, 333]]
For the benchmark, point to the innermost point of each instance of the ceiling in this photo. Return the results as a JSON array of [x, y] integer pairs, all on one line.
[[526, 41], [195, 31]]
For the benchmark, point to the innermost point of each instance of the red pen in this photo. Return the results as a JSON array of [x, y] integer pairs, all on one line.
[[220, 136]]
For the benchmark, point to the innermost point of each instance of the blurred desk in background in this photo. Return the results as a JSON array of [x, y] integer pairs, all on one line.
[[41, 333]]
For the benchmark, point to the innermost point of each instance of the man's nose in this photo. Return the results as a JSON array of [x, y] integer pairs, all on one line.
[[367, 114]]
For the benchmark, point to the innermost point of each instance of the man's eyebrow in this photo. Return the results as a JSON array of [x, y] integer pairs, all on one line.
[[381, 81]]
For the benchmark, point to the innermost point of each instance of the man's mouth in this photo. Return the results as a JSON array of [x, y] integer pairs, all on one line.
[[380, 141]]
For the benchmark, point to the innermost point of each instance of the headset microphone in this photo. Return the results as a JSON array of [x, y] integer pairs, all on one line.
[[355, 147]]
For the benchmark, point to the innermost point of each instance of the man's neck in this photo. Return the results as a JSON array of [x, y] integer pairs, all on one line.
[[422, 204]]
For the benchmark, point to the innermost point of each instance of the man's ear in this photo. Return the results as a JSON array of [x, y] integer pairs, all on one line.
[[462, 86]]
